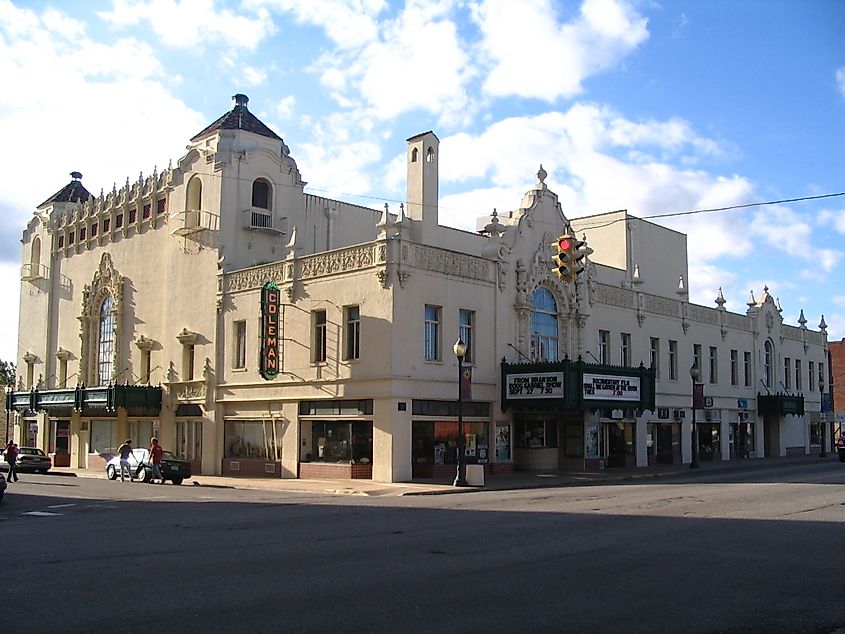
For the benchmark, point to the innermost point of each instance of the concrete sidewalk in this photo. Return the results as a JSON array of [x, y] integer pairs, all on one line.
[[512, 481]]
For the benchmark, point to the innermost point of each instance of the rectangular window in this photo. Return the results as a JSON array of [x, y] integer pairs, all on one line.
[[696, 355], [118, 221], [61, 242], [673, 360], [352, 332], [161, 206], [70, 238], [798, 375], [746, 357], [106, 224], [625, 349], [188, 439], [655, 356], [147, 211], [94, 229], [432, 333], [787, 373], [62, 372], [253, 439], [604, 347], [734, 367], [714, 365], [188, 362], [82, 231], [240, 345], [811, 379], [822, 377], [133, 215], [466, 321], [318, 318], [146, 366]]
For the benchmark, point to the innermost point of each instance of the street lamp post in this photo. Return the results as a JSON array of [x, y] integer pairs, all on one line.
[[460, 349], [693, 464], [823, 422]]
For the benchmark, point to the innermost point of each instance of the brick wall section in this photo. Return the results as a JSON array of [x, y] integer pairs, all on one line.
[[328, 471], [837, 368], [252, 468]]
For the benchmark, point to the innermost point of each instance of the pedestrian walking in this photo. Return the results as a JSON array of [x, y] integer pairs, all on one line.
[[124, 451], [156, 453], [11, 454]]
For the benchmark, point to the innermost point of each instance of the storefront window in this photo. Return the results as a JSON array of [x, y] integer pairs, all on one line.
[[140, 431], [437, 443], [341, 442], [103, 440], [189, 439], [536, 434], [254, 439]]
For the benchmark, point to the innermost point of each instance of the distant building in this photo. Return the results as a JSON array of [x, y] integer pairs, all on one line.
[[260, 330]]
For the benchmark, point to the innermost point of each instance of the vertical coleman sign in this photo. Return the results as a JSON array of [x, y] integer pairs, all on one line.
[[270, 325]]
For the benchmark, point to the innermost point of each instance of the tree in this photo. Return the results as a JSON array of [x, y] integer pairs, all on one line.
[[7, 373]]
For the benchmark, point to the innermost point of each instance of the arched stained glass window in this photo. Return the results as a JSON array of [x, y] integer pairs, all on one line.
[[544, 326], [105, 342]]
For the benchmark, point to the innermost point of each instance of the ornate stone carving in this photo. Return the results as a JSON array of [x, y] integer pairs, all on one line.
[[253, 278], [451, 263], [107, 282], [340, 261], [383, 278]]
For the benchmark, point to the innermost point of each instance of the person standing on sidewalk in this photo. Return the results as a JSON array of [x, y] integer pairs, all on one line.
[[12, 460], [156, 453], [124, 451]]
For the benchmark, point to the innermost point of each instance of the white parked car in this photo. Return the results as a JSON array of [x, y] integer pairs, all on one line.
[[172, 468], [138, 457]]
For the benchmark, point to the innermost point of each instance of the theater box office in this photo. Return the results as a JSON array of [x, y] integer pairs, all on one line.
[[574, 415]]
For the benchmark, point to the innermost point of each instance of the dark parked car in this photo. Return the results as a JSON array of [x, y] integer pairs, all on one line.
[[2, 487], [172, 468], [31, 459]]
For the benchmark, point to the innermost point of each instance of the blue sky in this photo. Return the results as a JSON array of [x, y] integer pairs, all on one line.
[[654, 107]]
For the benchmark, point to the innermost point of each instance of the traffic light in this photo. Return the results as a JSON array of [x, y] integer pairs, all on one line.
[[581, 251], [564, 259]]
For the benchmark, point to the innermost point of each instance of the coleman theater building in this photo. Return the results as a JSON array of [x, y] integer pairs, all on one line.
[[261, 330]]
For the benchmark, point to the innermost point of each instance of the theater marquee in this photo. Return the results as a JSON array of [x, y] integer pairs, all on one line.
[[607, 387], [540, 385], [270, 329]]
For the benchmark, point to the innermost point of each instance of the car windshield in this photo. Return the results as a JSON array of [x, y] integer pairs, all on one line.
[[31, 451], [168, 455]]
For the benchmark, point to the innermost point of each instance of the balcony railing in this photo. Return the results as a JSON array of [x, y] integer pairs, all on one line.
[[259, 219], [34, 272], [193, 221]]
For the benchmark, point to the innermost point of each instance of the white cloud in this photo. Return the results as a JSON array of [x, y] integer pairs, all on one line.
[[348, 23], [285, 107], [532, 55], [253, 76], [192, 23], [840, 80], [10, 291], [833, 218]]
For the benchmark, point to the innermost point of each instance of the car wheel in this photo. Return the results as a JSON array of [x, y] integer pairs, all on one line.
[[111, 472], [177, 480], [144, 476]]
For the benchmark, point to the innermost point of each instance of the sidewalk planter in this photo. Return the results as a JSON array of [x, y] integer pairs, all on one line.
[[335, 471]]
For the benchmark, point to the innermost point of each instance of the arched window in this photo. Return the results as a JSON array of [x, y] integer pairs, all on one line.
[[414, 155], [429, 155], [544, 326], [105, 343], [262, 195], [768, 354], [194, 201], [35, 254]]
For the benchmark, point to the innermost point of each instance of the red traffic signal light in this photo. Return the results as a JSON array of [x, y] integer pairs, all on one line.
[[564, 259]]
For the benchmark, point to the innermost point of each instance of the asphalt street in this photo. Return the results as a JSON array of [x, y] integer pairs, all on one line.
[[749, 551]]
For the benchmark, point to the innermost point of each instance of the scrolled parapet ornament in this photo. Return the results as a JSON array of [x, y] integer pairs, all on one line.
[[340, 261], [253, 278], [451, 263]]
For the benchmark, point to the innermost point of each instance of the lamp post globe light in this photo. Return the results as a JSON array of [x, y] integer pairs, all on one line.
[[822, 421], [693, 372], [460, 349]]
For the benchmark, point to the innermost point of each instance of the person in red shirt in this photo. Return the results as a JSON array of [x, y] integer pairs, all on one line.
[[156, 453]]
